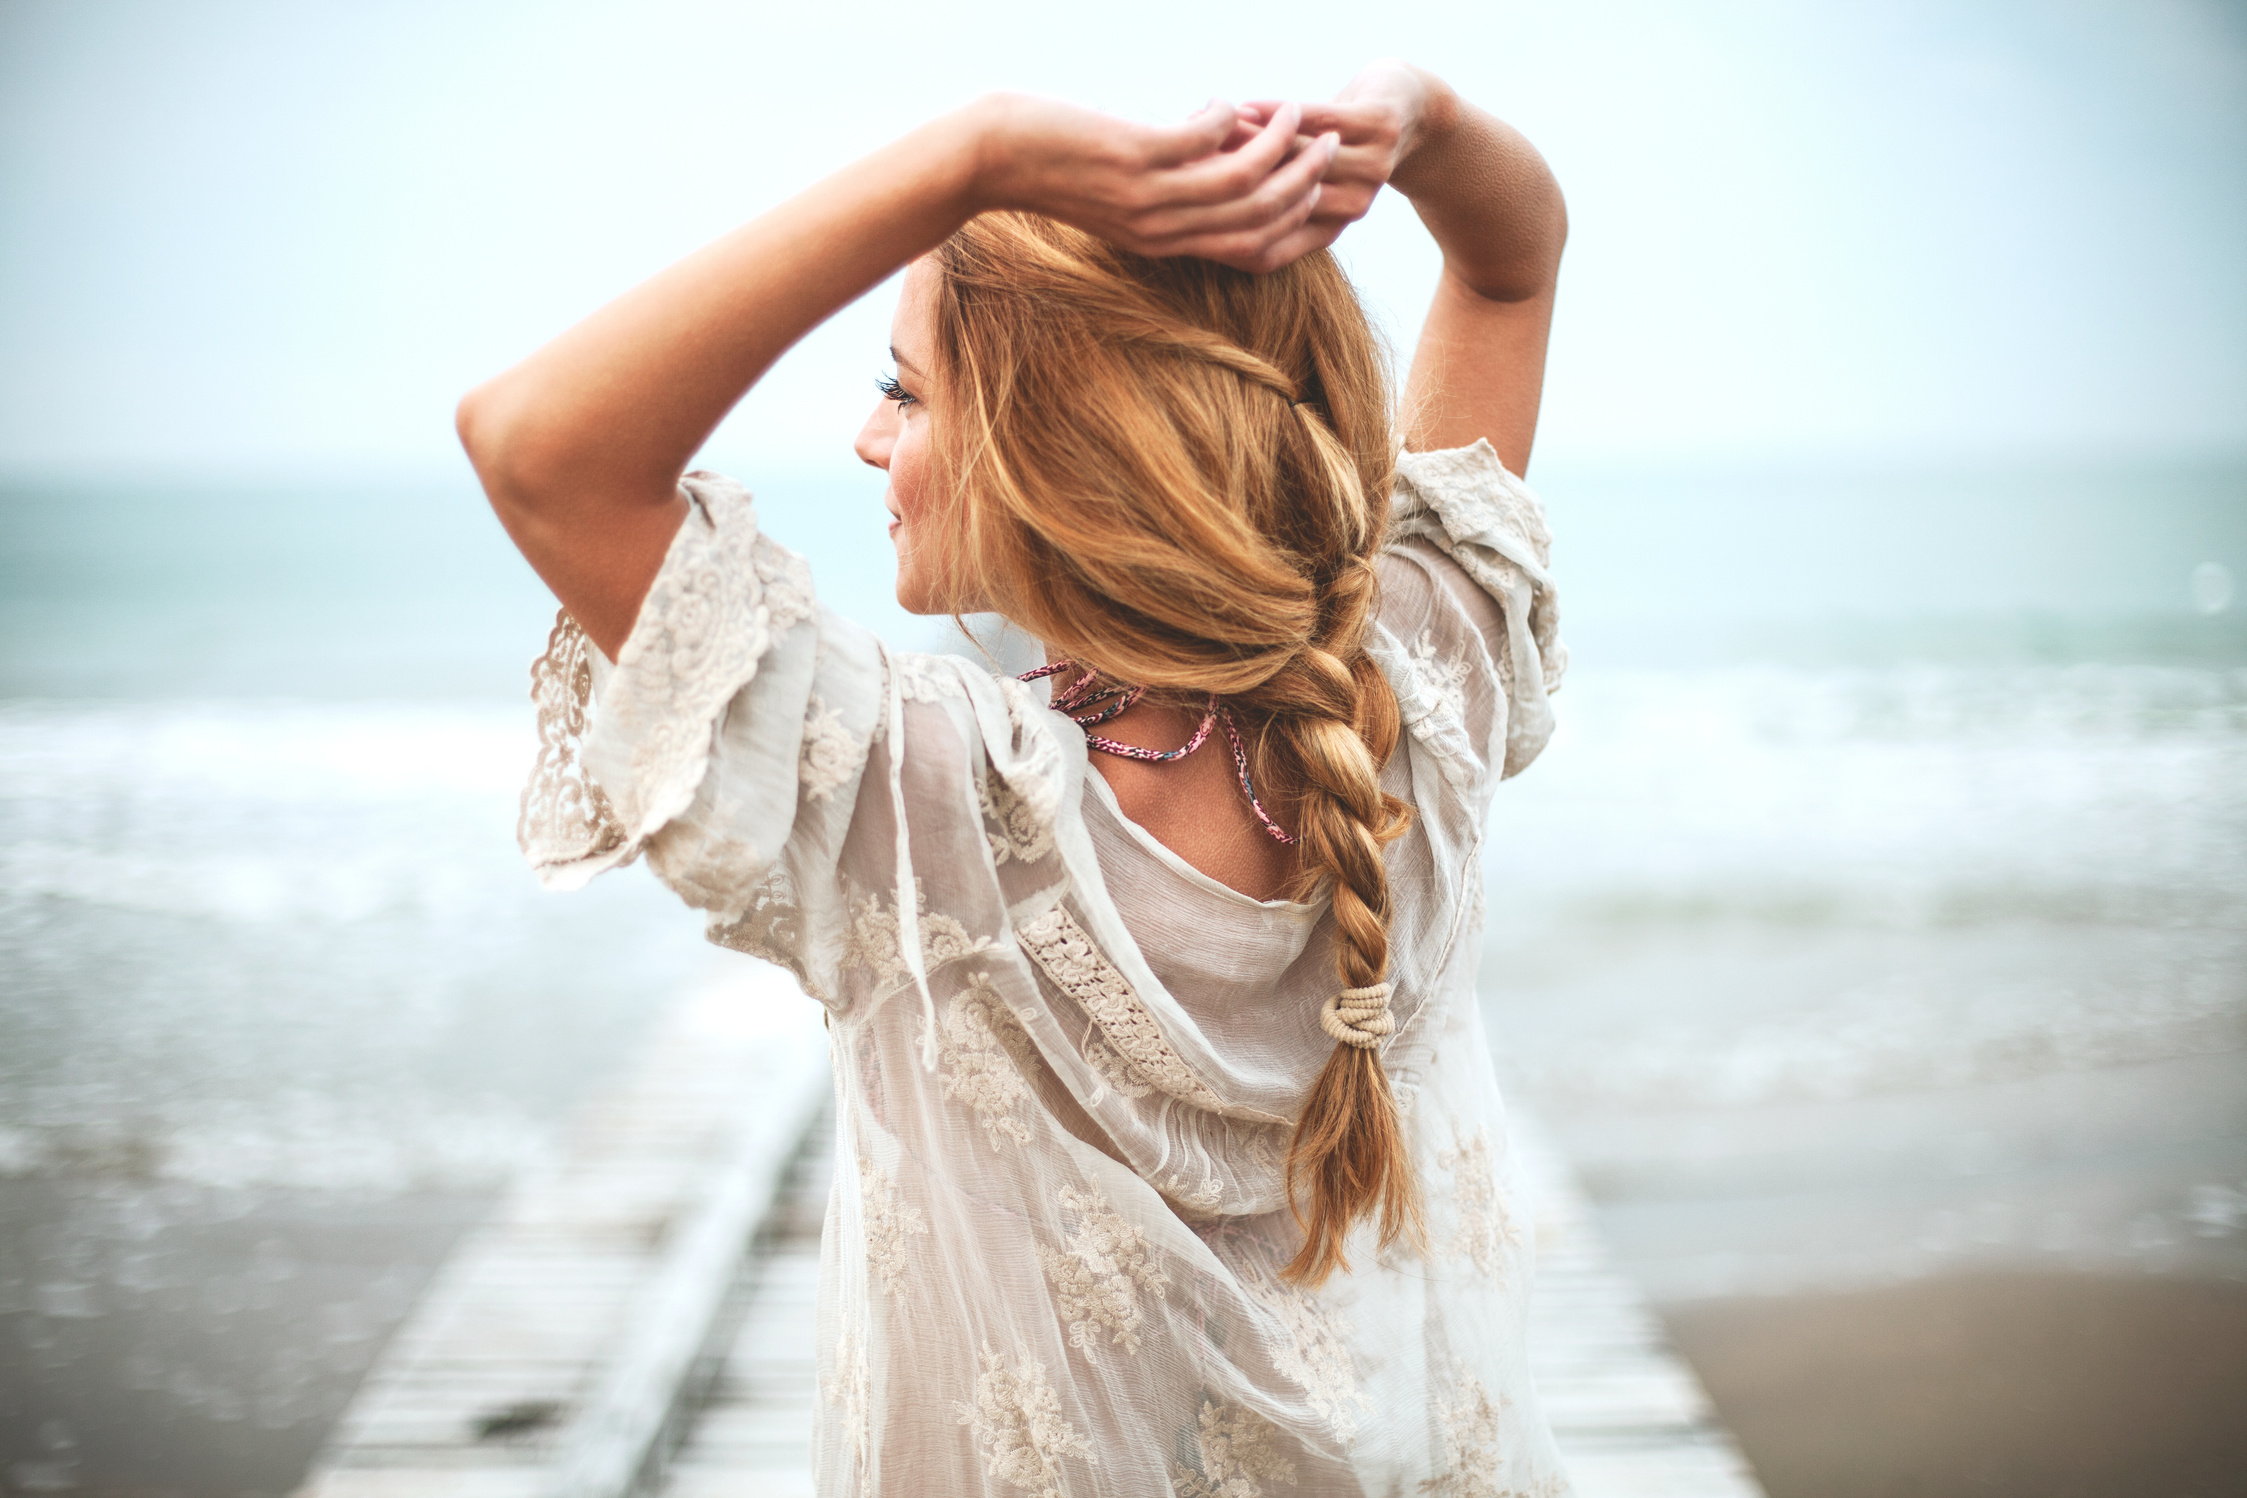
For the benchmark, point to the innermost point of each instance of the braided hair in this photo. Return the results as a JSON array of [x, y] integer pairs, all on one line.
[[1177, 474]]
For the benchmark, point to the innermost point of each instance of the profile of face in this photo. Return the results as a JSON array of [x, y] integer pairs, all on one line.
[[896, 439]]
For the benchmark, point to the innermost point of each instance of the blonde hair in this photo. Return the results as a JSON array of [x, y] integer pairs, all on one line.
[[1177, 474]]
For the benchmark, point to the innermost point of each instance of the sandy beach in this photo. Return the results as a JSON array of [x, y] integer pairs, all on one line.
[[159, 1340], [1988, 1385]]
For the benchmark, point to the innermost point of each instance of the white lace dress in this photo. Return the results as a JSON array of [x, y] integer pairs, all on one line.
[[1066, 1063]]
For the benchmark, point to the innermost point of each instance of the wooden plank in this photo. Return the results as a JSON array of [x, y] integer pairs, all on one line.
[[1676, 1469], [514, 1482], [552, 1352], [753, 1436], [720, 1482], [619, 1432], [1630, 1418]]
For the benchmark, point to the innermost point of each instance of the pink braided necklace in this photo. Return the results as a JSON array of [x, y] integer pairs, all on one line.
[[1083, 699]]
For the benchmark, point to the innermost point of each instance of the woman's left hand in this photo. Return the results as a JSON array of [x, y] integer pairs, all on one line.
[[1383, 113], [1215, 186]]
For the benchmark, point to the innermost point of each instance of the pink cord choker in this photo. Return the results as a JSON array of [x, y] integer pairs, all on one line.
[[1089, 704]]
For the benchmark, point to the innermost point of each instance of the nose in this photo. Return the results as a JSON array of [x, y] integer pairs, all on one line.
[[878, 438]]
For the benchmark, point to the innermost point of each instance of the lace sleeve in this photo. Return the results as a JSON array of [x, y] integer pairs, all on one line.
[[1470, 621], [787, 775], [607, 780]]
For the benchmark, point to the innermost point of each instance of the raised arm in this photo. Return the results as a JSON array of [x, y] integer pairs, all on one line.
[[581, 446], [1496, 213]]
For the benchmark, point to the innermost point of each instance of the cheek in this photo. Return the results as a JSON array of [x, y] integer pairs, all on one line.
[[908, 468]]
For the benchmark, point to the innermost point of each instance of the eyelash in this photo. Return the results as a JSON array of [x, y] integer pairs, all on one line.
[[892, 391]]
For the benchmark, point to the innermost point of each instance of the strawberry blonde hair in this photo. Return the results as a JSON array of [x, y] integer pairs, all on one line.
[[1177, 474]]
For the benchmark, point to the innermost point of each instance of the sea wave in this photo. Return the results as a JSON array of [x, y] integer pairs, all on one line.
[[292, 944]]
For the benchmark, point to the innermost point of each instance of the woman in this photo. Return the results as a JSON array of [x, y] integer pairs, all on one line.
[[1169, 1153]]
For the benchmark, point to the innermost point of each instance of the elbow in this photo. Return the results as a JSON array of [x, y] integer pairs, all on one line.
[[496, 436], [1523, 264], [1555, 238], [476, 423]]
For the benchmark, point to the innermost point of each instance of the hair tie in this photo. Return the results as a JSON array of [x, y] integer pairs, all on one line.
[[1359, 1016]]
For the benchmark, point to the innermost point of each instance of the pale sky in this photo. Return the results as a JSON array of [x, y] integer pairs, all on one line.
[[284, 237]]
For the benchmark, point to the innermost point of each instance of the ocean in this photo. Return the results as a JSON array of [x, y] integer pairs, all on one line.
[[1878, 914]]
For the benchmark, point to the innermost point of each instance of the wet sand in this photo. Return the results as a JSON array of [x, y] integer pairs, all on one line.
[[165, 1341], [1994, 1385]]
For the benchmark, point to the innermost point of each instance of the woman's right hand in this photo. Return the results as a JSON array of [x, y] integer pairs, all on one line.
[[1220, 187], [1379, 120], [1493, 209]]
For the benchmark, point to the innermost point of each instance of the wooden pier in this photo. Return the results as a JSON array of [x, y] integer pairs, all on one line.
[[639, 1319]]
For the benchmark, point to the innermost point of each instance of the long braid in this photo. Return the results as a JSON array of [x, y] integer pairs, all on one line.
[[1177, 475], [1333, 724]]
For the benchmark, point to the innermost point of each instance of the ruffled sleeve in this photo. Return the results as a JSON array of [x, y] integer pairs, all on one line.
[[725, 599], [1469, 631], [750, 743]]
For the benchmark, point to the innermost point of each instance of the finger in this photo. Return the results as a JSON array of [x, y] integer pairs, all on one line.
[[1203, 134], [1268, 203], [1287, 249], [1236, 173], [1355, 123], [1248, 249], [1314, 235], [1367, 130], [1346, 202]]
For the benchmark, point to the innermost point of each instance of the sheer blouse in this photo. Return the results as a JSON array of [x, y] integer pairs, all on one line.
[[1067, 1064]]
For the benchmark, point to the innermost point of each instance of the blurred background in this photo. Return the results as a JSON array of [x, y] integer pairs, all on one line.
[[1873, 936]]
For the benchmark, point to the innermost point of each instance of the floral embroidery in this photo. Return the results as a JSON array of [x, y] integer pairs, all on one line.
[[1315, 1352], [1486, 1230], [564, 816], [1443, 683], [1016, 1419], [723, 598], [831, 753], [981, 1052], [1239, 1451], [1260, 1149], [1023, 801], [1488, 521], [1080, 969], [1471, 1452], [851, 1387], [770, 926], [926, 678], [888, 1221], [1202, 1198], [1023, 825], [1115, 1073], [1096, 1282], [707, 870], [874, 942]]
